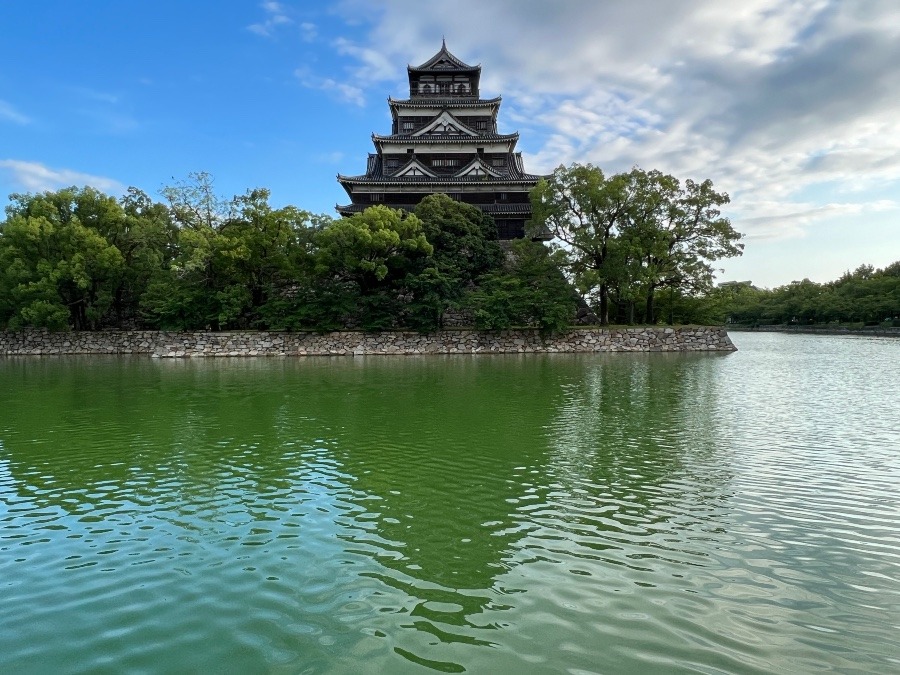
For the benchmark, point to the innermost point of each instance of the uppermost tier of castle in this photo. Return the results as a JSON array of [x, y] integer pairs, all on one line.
[[444, 76]]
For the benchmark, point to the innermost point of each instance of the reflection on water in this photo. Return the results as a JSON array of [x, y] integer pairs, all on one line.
[[557, 513]]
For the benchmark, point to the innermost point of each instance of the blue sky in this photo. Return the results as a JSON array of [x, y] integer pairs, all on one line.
[[791, 106]]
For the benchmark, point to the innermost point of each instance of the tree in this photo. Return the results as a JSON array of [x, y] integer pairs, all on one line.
[[190, 293], [530, 290], [232, 259], [58, 267], [675, 232], [370, 255], [583, 210], [464, 237], [633, 233], [465, 248], [271, 248]]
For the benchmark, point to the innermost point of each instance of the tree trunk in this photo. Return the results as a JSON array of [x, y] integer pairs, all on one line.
[[649, 311], [604, 305]]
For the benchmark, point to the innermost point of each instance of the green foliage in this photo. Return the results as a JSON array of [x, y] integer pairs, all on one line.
[[371, 255], [378, 244], [465, 248], [58, 267], [865, 296], [530, 291], [80, 259], [464, 238], [628, 236], [231, 259]]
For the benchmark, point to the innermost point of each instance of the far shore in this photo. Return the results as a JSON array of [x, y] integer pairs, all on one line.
[[880, 331]]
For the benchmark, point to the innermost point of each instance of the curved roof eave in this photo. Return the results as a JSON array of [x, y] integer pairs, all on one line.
[[438, 102], [399, 139], [449, 180]]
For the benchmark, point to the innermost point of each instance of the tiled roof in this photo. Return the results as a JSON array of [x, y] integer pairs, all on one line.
[[492, 209], [444, 55], [443, 138], [512, 172], [440, 180], [439, 101]]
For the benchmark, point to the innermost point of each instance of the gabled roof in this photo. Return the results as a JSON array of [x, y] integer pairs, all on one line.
[[476, 169], [414, 168], [443, 61], [376, 181], [445, 123]]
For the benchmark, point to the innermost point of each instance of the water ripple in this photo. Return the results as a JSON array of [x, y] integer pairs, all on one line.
[[539, 514]]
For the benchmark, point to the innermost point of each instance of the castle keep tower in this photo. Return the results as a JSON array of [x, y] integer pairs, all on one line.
[[444, 139]]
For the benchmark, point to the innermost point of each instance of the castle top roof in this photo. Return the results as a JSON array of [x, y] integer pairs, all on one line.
[[443, 61]]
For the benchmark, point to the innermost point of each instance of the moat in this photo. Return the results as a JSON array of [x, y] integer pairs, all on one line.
[[624, 513]]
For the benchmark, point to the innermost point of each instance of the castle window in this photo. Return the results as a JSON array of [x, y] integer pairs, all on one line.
[[481, 125], [408, 126], [376, 197], [498, 161]]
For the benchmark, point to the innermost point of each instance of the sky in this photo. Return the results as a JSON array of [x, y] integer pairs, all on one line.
[[792, 107]]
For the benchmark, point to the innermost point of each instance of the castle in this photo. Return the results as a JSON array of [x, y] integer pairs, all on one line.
[[444, 139]]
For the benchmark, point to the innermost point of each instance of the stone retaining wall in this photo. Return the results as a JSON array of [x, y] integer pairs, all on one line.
[[253, 343]]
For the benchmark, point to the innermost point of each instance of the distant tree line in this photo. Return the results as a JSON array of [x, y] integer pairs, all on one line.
[[80, 259], [865, 296]]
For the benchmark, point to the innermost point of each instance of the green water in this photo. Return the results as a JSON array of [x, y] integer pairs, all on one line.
[[496, 514]]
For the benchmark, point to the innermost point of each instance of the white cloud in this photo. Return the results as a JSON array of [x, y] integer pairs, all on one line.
[[341, 90], [36, 177], [10, 114], [97, 95], [308, 31], [275, 16], [769, 98], [374, 65]]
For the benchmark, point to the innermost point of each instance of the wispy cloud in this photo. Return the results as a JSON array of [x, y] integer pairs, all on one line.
[[9, 113], [110, 122], [371, 67], [37, 177], [275, 15], [341, 90], [330, 157], [96, 95], [107, 111], [374, 65], [308, 31]]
